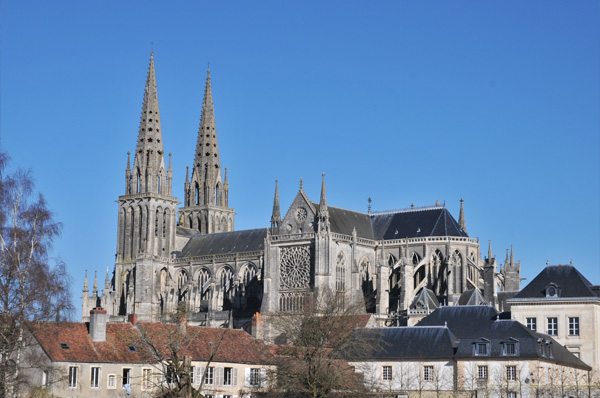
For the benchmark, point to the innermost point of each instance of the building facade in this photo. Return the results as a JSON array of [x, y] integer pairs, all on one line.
[[192, 256]]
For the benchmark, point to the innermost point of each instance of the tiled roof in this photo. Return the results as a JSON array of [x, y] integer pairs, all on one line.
[[570, 281], [225, 242], [232, 345]]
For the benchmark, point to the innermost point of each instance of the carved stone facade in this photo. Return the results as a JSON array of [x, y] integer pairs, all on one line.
[[222, 277]]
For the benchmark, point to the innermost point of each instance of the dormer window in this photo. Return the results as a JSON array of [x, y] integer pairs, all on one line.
[[552, 290], [481, 348], [64, 346], [510, 347]]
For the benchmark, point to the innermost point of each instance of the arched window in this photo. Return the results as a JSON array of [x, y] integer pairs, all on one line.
[[225, 277], [249, 274], [217, 194], [197, 195], [182, 278], [340, 272], [391, 260], [416, 259]]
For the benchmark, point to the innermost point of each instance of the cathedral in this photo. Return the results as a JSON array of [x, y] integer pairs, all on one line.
[[402, 264]]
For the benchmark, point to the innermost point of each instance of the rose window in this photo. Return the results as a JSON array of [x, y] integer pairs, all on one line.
[[295, 267]]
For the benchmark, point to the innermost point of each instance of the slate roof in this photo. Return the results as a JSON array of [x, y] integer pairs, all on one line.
[[425, 299], [471, 324], [398, 224], [225, 242], [571, 282], [420, 343], [471, 297], [236, 346]]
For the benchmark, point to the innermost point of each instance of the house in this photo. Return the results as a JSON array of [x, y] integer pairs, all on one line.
[[466, 350], [106, 359], [562, 303]]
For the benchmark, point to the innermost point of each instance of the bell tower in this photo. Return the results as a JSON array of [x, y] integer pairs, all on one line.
[[206, 203]]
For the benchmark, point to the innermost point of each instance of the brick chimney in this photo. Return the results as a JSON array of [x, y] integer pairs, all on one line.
[[98, 319], [132, 318], [257, 326]]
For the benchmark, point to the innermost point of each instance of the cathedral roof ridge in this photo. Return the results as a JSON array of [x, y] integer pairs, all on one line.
[[407, 210]]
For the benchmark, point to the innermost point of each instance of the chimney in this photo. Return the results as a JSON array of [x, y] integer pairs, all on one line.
[[98, 320], [132, 318], [257, 326]]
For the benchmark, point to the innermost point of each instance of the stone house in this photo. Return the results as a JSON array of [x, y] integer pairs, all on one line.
[[121, 359]]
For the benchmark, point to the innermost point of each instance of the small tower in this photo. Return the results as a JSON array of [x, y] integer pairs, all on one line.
[[206, 203], [276, 216], [323, 214], [489, 278], [512, 273]]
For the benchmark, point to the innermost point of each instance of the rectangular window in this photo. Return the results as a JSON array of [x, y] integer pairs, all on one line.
[[386, 373], [227, 376], [573, 326], [95, 380], [481, 349], [532, 324], [126, 376], [254, 376], [428, 373], [482, 372], [44, 378], [146, 379], [210, 375], [510, 349], [112, 381], [511, 373], [553, 326], [72, 377], [511, 394]]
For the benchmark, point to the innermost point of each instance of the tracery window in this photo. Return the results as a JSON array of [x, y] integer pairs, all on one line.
[[226, 277], [340, 272], [295, 267]]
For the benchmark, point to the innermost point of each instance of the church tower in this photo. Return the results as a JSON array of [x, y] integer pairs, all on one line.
[[206, 204], [147, 210]]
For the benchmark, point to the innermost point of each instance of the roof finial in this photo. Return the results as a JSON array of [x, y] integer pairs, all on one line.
[[301, 184], [95, 288], [547, 263], [437, 203], [276, 216], [512, 256], [369, 200], [571, 262], [323, 204], [490, 250], [107, 281], [412, 205]]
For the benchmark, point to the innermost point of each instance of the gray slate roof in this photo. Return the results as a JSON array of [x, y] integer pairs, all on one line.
[[399, 224], [571, 282], [225, 242], [472, 324]]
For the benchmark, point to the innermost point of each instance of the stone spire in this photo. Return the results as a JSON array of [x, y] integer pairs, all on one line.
[[128, 175], [506, 260], [85, 285], [461, 217], [149, 144], [512, 256], [276, 216], [95, 288], [323, 214], [490, 250], [107, 280]]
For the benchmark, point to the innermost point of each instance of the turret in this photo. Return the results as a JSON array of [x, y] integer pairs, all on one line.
[[461, 217], [276, 216], [323, 214]]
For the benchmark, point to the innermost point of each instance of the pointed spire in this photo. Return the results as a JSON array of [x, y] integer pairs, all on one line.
[[323, 203], [95, 288], [128, 176], [301, 184], [149, 135], [506, 260], [461, 217], [276, 216], [490, 250], [85, 284], [107, 280], [512, 256]]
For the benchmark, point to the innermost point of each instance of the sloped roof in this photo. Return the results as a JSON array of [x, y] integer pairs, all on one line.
[[471, 324], [225, 242], [471, 297], [425, 298], [234, 346], [398, 224], [415, 223], [571, 282], [412, 342]]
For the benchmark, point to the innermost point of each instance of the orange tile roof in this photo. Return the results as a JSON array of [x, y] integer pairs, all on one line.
[[234, 346]]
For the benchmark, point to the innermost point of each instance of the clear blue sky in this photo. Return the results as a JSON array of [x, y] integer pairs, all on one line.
[[403, 102]]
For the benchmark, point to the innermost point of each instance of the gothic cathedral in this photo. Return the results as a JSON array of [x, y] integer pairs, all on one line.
[[402, 264]]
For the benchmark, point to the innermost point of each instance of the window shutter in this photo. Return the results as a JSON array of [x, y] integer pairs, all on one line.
[[219, 376], [235, 374], [263, 377], [199, 374], [247, 377]]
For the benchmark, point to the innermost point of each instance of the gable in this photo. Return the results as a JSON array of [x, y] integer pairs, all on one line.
[[300, 217]]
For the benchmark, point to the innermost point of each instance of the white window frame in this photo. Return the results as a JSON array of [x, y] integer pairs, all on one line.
[[209, 377], [95, 377], [552, 326], [428, 373], [111, 377], [482, 372], [511, 372], [73, 376], [387, 374], [531, 323], [254, 377], [511, 394], [574, 326]]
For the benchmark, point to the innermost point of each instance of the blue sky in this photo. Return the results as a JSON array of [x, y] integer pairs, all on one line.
[[403, 102]]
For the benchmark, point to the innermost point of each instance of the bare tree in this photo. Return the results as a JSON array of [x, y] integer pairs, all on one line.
[[314, 363], [30, 288]]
